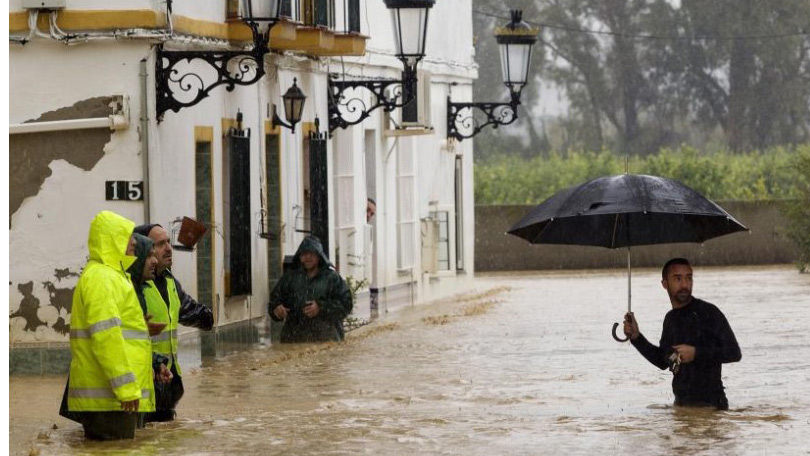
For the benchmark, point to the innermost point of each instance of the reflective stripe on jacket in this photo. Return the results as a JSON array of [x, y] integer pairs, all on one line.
[[164, 343], [109, 341]]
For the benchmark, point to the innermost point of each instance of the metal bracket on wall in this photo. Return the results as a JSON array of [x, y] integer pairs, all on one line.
[[355, 108], [179, 85], [461, 121]]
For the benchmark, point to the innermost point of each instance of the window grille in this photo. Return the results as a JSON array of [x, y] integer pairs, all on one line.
[[319, 189], [239, 226]]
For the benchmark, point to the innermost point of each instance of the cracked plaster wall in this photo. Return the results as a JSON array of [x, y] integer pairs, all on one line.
[[56, 179]]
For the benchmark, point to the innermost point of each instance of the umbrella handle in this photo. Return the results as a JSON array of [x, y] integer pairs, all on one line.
[[615, 326]]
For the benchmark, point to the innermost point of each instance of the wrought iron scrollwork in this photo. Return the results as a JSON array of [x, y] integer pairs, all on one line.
[[462, 123], [179, 85], [389, 94]]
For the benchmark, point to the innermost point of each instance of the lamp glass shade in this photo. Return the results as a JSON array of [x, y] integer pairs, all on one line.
[[515, 40], [515, 62], [294, 100], [410, 21], [264, 13]]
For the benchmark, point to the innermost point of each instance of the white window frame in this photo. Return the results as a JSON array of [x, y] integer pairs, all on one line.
[[443, 245], [406, 214], [345, 205]]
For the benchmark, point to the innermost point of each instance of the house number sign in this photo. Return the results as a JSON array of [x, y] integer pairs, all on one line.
[[124, 190]]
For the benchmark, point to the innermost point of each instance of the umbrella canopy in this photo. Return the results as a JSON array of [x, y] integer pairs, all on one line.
[[623, 211]]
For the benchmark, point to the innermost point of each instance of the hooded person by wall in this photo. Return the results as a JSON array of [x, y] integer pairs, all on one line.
[[143, 248], [311, 298]]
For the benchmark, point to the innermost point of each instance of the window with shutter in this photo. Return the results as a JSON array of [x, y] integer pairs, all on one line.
[[318, 13], [459, 219], [204, 212], [319, 189], [272, 217], [443, 245], [353, 13], [285, 9], [239, 221]]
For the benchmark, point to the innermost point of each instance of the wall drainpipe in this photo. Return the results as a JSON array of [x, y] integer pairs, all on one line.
[[144, 119]]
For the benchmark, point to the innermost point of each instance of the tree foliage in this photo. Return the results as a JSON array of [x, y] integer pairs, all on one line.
[[639, 75]]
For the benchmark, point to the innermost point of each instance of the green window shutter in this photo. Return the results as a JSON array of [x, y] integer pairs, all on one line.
[[240, 260]]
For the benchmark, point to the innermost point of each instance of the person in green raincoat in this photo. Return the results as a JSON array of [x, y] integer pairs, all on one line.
[[143, 268], [141, 273], [311, 298], [110, 376]]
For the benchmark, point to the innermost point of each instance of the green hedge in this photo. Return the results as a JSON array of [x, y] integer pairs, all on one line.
[[798, 210], [773, 174], [781, 173]]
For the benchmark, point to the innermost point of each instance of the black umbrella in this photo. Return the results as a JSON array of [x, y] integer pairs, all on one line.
[[624, 211]]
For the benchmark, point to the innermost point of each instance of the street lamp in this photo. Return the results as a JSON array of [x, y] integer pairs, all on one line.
[[410, 21], [179, 86], [515, 40], [294, 100]]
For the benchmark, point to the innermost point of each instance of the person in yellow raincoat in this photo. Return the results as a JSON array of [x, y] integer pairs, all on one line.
[[111, 367]]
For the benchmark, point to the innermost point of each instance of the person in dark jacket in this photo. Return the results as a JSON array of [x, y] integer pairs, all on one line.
[[311, 298], [695, 342], [140, 272], [143, 268], [168, 303]]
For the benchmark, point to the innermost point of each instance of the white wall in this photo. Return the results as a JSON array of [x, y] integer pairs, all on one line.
[[449, 59], [449, 42], [49, 230]]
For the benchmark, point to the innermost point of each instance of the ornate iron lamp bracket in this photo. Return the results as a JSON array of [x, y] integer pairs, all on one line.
[[179, 85], [356, 109], [461, 121]]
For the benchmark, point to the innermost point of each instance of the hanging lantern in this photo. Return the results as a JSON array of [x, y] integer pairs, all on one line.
[[410, 20], [294, 100], [263, 13], [515, 40]]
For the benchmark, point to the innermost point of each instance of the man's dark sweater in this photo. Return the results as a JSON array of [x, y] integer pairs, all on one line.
[[703, 326]]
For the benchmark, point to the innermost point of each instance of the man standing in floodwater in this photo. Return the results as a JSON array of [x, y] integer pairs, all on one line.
[[111, 355], [311, 298], [695, 342], [168, 303]]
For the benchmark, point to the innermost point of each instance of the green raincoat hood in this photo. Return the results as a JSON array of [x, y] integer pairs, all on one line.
[[143, 245], [109, 238], [311, 244]]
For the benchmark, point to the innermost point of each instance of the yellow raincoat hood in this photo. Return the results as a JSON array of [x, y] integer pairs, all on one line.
[[109, 238], [111, 354]]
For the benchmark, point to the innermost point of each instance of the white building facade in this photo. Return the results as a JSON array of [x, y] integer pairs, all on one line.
[[88, 133]]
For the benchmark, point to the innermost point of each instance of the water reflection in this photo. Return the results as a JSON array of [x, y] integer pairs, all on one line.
[[527, 369]]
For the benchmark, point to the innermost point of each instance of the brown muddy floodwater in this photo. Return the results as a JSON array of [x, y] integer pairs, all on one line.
[[527, 367]]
